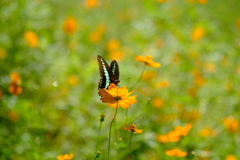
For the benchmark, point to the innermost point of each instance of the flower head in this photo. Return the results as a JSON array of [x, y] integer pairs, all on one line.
[[117, 97], [176, 153], [147, 61], [15, 85], [132, 128], [70, 25], [31, 38], [198, 33], [65, 157], [231, 124]]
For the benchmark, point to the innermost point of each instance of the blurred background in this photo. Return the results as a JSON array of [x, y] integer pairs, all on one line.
[[49, 102]]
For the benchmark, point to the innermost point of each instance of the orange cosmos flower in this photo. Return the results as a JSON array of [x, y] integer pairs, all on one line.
[[73, 80], [91, 3], [231, 124], [113, 45], [158, 102], [31, 38], [230, 157], [198, 33], [114, 95], [65, 157], [132, 128], [161, 1], [238, 23], [70, 25], [15, 85], [147, 61], [176, 153], [208, 132], [202, 1], [162, 138]]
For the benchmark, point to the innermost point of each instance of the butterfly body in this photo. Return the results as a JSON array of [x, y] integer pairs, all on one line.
[[109, 74]]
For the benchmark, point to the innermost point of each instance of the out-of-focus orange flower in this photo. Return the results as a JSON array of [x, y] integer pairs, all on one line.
[[161, 1], [202, 1], [132, 128], [91, 3], [31, 38], [198, 78], [190, 116], [113, 45], [15, 85], [208, 132], [176, 153], [231, 124], [158, 102], [147, 61], [73, 80], [198, 33], [238, 23], [70, 25], [1, 94], [230, 157], [163, 84], [65, 157], [117, 97], [3, 53], [192, 91], [116, 55], [97, 34], [13, 115], [147, 75], [210, 67], [163, 138]]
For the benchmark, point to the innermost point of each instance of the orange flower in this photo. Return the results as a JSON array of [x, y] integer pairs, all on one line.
[[147, 61], [238, 23], [113, 45], [202, 1], [176, 153], [73, 80], [161, 1], [31, 38], [132, 128], [158, 102], [117, 96], [208, 132], [162, 138], [65, 157], [15, 87], [3, 53], [116, 55], [70, 25], [91, 3], [96, 35], [163, 84], [231, 124], [198, 33], [230, 157], [184, 130]]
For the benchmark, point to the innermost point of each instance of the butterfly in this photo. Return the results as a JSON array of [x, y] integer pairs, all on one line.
[[108, 74]]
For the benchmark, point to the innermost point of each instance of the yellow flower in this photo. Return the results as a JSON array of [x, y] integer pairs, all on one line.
[[31, 38], [132, 128], [147, 61], [3, 53], [208, 132], [231, 124], [15, 85], [65, 157], [70, 25], [176, 153], [117, 96], [230, 157], [91, 3], [198, 33]]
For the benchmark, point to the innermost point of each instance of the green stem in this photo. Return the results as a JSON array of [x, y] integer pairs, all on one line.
[[139, 79], [99, 130], [130, 150], [109, 139]]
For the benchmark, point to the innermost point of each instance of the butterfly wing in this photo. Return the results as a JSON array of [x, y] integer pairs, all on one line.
[[115, 71], [106, 74]]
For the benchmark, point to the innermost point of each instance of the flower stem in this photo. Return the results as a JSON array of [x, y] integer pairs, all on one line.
[[130, 150], [109, 139], [99, 130], [139, 79]]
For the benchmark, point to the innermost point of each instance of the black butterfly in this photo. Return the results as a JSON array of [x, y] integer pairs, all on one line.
[[108, 74]]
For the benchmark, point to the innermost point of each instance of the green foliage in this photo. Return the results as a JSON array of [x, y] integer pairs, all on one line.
[[58, 110]]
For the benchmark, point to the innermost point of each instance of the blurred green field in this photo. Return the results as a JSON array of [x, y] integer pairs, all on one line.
[[49, 102]]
